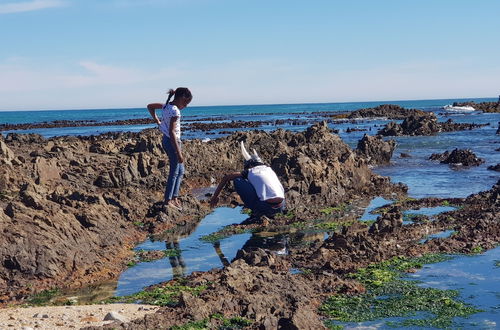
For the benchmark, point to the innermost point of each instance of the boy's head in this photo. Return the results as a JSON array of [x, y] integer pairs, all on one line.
[[250, 160]]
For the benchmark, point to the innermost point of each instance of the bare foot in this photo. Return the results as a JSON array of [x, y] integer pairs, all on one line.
[[171, 204], [177, 203]]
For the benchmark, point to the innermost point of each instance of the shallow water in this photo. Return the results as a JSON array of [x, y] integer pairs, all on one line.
[[477, 279], [195, 254]]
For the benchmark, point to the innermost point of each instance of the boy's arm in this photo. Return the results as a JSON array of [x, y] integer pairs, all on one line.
[[228, 177], [151, 108]]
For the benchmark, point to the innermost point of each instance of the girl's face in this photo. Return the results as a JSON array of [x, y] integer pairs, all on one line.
[[183, 102]]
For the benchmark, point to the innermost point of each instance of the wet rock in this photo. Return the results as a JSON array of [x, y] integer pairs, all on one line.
[[483, 106], [464, 157], [390, 111], [388, 222], [259, 257], [424, 124], [24, 138], [494, 167], [421, 124], [375, 149]]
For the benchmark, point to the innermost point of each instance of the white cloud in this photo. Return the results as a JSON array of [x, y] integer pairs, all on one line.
[[18, 7]]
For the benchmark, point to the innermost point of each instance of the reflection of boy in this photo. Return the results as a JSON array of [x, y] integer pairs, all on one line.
[[258, 186]]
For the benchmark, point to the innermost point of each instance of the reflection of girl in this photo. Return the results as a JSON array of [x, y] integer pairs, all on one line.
[[171, 142], [176, 260]]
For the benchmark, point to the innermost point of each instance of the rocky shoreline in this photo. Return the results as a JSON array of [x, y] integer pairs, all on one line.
[[71, 208]]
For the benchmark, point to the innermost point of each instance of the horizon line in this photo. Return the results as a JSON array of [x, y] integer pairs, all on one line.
[[258, 104]]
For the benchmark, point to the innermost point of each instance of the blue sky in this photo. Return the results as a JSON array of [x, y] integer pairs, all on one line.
[[78, 54]]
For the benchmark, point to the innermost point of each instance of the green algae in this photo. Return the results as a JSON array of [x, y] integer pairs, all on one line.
[[43, 298], [388, 295], [215, 321], [166, 295], [477, 249], [225, 232], [172, 252], [333, 209], [139, 224]]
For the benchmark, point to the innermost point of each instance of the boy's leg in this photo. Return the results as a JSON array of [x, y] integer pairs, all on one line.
[[247, 193]]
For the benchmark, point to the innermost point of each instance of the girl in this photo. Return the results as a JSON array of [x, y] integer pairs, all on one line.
[[171, 128]]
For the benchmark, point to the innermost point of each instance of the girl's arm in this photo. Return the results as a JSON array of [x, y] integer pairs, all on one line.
[[151, 108], [228, 177], [175, 143]]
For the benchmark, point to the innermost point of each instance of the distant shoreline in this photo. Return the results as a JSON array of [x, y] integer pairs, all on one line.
[[487, 99]]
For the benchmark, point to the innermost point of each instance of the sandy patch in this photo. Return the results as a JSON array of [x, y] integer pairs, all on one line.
[[68, 317]]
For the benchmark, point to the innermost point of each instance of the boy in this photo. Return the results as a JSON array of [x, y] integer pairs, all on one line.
[[258, 186]]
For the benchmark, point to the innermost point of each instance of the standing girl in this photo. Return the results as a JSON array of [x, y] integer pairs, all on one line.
[[171, 128]]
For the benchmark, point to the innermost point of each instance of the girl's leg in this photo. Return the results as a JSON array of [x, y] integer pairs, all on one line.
[[178, 180], [247, 193], [173, 164]]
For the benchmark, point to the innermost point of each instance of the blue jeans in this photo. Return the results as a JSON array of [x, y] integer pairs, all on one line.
[[176, 171], [249, 197]]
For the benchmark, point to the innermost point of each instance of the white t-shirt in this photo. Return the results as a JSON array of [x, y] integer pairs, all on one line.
[[266, 182], [170, 111]]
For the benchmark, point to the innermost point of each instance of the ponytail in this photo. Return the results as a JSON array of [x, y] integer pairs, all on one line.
[[171, 93]]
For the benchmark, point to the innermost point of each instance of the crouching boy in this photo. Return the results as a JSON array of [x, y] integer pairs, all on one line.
[[258, 186]]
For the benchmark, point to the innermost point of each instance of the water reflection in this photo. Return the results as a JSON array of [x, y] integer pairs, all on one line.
[[185, 251]]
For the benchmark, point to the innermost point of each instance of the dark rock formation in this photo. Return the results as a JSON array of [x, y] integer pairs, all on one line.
[[483, 106], [390, 111], [388, 222], [426, 124], [494, 167], [458, 156], [375, 150]]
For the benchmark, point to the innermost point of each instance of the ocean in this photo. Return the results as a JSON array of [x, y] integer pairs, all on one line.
[[424, 178]]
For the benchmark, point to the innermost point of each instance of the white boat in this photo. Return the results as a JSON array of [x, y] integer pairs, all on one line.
[[466, 108]]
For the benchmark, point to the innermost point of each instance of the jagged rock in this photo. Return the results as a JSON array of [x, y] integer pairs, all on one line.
[[464, 157], [6, 155], [45, 170], [375, 149], [494, 167], [424, 124], [390, 111], [483, 106], [24, 138], [388, 222]]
